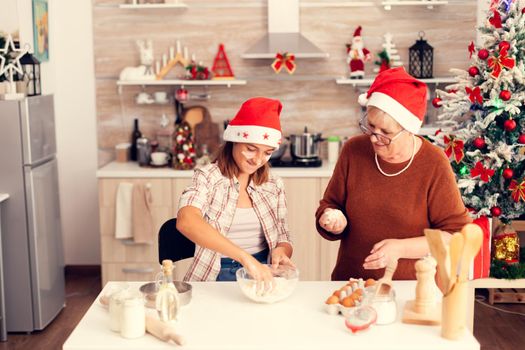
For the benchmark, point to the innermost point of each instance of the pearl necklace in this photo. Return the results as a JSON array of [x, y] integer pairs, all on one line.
[[405, 168]]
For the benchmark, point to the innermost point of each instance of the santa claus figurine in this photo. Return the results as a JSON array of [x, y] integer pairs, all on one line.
[[357, 55]]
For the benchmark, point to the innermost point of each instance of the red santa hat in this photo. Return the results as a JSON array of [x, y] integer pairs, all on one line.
[[357, 31], [400, 95], [256, 122]]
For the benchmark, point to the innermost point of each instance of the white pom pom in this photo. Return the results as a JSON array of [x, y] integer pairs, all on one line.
[[362, 100]]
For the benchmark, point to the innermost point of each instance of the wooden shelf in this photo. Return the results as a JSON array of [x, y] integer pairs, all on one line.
[[428, 3], [322, 4], [179, 82], [369, 81], [179, 5]]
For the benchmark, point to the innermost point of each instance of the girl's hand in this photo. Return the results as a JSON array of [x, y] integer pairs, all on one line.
[[260, 273], [279, 257]]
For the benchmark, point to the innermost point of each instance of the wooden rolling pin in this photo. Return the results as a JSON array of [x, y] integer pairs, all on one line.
[[163, 330]]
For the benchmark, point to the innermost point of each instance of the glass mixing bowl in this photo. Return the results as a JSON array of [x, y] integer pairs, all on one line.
[[285, 280]]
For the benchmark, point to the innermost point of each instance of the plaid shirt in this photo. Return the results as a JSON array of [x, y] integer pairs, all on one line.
[[216, 197]]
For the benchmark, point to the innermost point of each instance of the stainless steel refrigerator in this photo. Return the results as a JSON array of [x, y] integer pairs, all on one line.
[[33, 253]]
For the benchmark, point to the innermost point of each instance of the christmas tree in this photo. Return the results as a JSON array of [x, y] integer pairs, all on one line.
[[483, 117], [388, 57]]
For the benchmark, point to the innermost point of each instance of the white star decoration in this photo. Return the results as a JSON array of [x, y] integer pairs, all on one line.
[[15, 63]]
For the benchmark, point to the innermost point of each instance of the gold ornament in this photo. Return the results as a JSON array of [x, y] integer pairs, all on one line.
[[506, 244]]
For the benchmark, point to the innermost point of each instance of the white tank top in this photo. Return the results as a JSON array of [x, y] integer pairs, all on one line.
[[246, 231]]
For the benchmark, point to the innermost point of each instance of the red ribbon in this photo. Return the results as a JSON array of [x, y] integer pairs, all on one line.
[[474, 94], [496, 20], [286, 60], [518, 190], [454, 147], [471, 49], [480, 170], [500, 62]]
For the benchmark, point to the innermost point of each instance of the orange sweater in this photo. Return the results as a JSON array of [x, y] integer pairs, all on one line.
[[378, 207]]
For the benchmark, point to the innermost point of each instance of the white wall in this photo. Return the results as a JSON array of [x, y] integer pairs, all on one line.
[[69, 74]]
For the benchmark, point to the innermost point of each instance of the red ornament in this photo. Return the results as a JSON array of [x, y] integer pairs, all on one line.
[[508, 173], [523, 11], [509, 125], [436, 102], [479, 142], [221, 65], [504, 45], [521, 139], [505, 95], [473, 71], [483, 54], [495, 211]]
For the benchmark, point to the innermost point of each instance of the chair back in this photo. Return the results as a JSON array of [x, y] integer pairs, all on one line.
[[174, 245]]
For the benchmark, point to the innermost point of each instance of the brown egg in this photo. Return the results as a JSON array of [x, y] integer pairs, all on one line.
[[358, 291], [370, 282], [337, 293], [348, 302], [332, 300]]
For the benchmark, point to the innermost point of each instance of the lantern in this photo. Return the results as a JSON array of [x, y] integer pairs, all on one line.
[[420, 58], [31, 76], [506, 244]]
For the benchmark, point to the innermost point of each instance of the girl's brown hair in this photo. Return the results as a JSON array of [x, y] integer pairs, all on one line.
[[228, 167]]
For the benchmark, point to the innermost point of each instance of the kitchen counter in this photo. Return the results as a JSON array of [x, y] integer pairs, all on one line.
[[221, 317], [133, 170]]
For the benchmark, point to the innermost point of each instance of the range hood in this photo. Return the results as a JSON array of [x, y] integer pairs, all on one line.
[[283, 34]]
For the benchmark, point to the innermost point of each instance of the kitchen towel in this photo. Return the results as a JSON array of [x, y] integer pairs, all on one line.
[[123, 211], [142, 219]]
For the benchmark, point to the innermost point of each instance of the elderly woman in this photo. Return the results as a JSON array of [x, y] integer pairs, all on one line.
[[389, 185], [235, 210]]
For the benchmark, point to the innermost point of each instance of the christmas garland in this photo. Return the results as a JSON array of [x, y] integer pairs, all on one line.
[[501, 270]]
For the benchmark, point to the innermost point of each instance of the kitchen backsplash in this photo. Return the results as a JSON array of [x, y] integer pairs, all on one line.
[[310, 96]]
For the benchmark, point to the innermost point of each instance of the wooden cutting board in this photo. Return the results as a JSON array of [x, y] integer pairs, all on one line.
[[204, 130]]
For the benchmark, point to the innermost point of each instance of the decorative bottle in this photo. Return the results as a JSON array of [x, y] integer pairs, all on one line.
[[167, 301], [135, 135]]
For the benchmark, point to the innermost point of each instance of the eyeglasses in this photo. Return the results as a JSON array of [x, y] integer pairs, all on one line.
[[385, 140]]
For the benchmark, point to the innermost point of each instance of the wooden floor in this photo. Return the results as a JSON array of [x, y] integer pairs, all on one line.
[[494, 329]]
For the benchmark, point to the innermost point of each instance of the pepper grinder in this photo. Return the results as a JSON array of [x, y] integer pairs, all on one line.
[[424, 310]]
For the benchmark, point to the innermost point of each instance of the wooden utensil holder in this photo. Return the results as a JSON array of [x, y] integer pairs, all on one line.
[[454, 311]]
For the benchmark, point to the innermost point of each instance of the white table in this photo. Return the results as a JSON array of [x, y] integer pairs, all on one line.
[[220, 317]]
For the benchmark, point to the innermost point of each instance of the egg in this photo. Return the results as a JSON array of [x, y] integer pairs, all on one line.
[[348, 302], [370, 282], [332, 300]]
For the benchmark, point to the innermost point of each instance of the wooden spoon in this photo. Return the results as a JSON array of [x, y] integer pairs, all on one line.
[[385, 284], [439, 252], [473, 238], [456, 248]]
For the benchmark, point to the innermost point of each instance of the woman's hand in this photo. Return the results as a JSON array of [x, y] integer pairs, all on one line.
[[382, 252], [279, 257], [333, 220]]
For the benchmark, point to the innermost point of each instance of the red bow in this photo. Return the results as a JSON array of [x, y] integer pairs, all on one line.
[[479, 169], [474, 94], [496, 20], [454, 146], [518, 190], [286, 60], [497, 63], [471, 49]]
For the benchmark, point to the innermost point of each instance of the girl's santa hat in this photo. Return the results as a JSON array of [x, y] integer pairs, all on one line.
[[256, 122], [400, 95]]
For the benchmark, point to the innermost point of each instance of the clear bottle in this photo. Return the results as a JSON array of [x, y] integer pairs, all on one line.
[[204, 159], [135, 135], [167, 301]]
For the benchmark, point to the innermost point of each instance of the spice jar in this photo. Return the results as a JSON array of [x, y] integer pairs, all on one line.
[[133, 319], [115, 310]]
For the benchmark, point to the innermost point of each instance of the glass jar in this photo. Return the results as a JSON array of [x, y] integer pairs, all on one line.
[[385, 306], [133, 318]]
